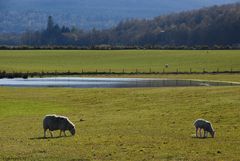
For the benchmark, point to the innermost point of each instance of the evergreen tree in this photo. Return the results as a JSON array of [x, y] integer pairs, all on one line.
[[50, 24]]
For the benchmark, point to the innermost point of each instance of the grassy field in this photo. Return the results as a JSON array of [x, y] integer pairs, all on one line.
[[129, 60], [121, 124]]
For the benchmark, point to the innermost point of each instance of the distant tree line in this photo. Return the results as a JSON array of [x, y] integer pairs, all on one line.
[[213, 27], [117, 47]]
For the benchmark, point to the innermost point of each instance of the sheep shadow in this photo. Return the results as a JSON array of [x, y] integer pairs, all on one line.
[[194, 137], [44, 138]]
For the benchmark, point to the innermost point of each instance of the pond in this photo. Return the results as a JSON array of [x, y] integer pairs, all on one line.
[[75, 82]]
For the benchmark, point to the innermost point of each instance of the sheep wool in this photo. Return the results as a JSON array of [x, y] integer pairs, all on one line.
[[55, 122], [205, 125]]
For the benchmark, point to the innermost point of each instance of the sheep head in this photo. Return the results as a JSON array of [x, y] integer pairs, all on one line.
[[72, 131], [212, 133]]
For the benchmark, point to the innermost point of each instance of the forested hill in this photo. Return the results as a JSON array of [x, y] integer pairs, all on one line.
[[214, 25], [17, 16], [217, 25]]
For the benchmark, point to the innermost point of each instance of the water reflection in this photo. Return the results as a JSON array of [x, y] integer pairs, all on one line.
[[106, 82]]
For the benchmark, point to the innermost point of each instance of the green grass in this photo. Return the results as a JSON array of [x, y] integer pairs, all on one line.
[[129, 60], [120, 124]]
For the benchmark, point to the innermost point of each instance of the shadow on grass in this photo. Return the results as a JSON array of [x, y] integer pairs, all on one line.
[[194, 137], [43, 138]]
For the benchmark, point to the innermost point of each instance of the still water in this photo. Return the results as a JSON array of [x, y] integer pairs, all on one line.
[[74, 82]]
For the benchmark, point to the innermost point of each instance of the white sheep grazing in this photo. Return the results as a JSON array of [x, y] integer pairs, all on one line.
[[205, 125], [54, 122]]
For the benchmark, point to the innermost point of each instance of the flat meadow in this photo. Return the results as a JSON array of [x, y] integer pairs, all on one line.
[[119, 60], [121, 123]]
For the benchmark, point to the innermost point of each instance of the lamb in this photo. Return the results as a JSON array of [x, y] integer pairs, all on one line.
[[54, 122], [205, 125]]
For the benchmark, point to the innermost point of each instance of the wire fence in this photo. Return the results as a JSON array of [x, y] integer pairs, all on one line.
[[4, 74]]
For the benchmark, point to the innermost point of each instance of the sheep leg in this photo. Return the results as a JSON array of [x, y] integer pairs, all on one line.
[[64, 133], [196, 132], [45, 133], [60, 133], [200, 132], [51, 133], [205, 134]]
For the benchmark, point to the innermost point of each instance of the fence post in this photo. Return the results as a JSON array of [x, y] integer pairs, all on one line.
[[190, 70], [150, 70]]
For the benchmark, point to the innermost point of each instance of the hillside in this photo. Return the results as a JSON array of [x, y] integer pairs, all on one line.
[[217, 25], [19, 16]]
